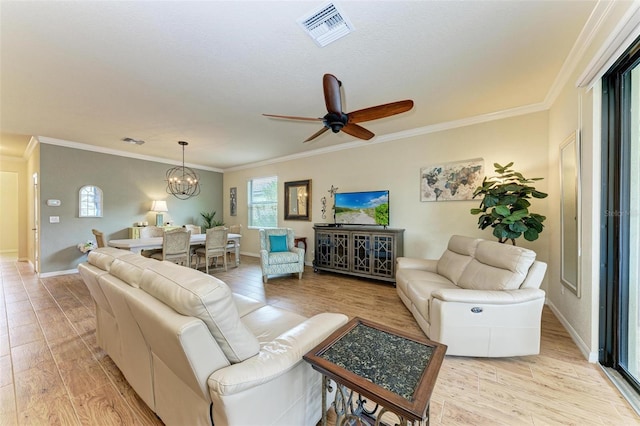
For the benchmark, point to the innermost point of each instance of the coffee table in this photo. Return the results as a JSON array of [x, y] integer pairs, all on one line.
[[396, 371]]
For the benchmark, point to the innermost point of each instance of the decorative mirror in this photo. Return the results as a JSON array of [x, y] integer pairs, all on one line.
[[570, 213], [297, 200], [90, 201]]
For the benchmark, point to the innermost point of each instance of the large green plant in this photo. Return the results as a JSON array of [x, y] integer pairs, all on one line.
[[209, 221], [505, 205]]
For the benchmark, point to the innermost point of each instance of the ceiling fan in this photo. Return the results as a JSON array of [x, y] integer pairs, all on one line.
[[336, 120]]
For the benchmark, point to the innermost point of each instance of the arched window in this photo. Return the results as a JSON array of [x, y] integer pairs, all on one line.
[[90, 201]]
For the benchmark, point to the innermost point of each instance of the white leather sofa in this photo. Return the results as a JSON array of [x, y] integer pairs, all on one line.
[[481, 298], [195, 352]]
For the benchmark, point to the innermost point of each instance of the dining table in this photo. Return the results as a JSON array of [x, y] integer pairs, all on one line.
[[136, 245]]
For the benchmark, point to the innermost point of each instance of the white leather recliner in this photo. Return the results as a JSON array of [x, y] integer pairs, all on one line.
[[481, 298], [198, 354]]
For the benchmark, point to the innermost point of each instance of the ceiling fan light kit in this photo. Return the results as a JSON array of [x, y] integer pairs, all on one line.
[[337, 120]]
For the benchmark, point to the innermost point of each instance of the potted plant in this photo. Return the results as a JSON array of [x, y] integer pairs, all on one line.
[[505, 205], [209, 221]]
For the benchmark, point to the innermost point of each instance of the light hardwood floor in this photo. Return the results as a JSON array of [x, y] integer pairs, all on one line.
[[52, 372]]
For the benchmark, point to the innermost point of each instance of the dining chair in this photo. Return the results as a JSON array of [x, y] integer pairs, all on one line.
[[195, 229], [151, 232], [231, 244], [99, 237], [215, 246], [176, 247]]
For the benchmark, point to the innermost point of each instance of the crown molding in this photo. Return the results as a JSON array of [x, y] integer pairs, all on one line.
[[93, 148], [591, 28], [626, 31], [432, 128]]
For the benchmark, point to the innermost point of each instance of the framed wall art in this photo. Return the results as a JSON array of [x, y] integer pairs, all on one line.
[[233, 201], [297, 200], [451, 181]]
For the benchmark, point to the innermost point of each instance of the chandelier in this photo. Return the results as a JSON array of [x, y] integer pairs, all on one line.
[[182, 182]]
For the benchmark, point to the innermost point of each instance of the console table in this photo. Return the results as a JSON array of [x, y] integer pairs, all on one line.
[[134, 231], [363, 251], [395, 370]]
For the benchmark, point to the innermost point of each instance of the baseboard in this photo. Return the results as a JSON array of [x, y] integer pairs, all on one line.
[[57, 273], [591, 356]]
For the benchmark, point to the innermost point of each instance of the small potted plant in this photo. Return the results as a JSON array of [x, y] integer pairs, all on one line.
[[505, 205], [209, 221]]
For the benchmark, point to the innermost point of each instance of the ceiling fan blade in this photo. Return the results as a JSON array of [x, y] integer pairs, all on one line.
[[357, 131], [316, 134], [380, 111], [289, 117], [332, 99]]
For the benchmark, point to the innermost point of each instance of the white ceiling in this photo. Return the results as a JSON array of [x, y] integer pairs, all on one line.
[[94, 72]]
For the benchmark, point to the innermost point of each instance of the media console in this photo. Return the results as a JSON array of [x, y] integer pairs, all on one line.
[[364, 251]]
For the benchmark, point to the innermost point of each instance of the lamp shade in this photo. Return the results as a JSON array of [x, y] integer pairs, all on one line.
[[159, 206]]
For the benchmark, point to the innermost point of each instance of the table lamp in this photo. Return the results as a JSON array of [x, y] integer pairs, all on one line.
[[159, 207]]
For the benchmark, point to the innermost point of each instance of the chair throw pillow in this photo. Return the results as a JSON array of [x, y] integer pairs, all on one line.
[[278, 243]]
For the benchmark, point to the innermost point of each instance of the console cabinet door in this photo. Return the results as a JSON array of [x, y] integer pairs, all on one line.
[[383, 255], [361, 253], [373, 254], [332, 250]]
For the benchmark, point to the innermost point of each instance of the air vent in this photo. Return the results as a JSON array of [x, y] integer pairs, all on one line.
[[133, 141], [326, 24]]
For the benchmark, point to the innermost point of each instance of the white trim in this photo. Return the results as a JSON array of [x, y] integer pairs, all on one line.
[[33, 143], [591, 356], [93, 148], [57, 273], [585, 38], [627, 30]]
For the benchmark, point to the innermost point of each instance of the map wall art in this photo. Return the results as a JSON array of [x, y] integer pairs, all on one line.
[[451, 181]]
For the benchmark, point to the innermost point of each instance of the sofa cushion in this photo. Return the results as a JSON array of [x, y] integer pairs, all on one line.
[[283, 257], [419, 291], [456, 257], [103, 257], [497, 266], [278, 243], [268, 322], [129, 268], [192, 293]]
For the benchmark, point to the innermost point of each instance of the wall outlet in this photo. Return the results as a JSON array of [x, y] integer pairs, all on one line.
[[54, 219], [562, 290]]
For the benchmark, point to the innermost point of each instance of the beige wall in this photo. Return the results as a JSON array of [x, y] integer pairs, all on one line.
[[579, 108], [18, 218], [9, 212], [395, 166]]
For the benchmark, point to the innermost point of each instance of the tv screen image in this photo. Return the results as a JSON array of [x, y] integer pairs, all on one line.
[[362, 208]]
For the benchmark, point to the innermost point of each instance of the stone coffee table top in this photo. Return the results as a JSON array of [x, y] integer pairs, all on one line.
[[395, 369]]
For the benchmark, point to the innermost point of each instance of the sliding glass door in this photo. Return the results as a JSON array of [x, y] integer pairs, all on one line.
[[620, 290], [632, 359]]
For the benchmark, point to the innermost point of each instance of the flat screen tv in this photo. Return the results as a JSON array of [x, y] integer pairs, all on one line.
[[362, 208]]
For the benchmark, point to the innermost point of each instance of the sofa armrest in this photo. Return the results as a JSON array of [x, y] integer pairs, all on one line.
[[492, 297], [430, 265], [277, 357], [299, 251]]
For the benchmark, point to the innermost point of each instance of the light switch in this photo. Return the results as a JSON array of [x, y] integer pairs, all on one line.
[[54, 219]]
